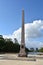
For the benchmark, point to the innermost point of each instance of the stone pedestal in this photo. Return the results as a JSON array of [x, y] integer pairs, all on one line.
[[22, 52]]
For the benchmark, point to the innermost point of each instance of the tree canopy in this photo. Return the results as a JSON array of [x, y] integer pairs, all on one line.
[[7, 45]]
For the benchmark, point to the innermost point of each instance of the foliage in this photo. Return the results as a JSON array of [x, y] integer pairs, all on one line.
[[41, 49], [7, 45]]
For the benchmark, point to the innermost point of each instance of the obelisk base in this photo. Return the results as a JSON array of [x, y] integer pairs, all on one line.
[[22, 55]]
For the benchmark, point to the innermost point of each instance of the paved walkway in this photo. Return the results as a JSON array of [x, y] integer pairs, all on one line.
[[15, 57]]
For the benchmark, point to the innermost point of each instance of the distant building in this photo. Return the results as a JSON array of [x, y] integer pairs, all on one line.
[[32, 49], [37, 49]]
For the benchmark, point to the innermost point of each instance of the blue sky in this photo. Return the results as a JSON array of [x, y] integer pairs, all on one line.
[[11, 13]]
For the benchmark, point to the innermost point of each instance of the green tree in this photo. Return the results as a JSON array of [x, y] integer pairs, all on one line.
[[41, 49], [7, 45], [2, 43]]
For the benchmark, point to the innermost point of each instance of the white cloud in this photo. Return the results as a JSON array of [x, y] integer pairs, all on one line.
[[32, 30], [41, 27]]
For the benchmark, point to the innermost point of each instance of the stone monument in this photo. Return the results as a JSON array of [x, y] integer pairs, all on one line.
[[22, 52]]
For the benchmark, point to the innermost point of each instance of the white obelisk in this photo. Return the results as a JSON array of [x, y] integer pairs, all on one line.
[[22, 52]]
